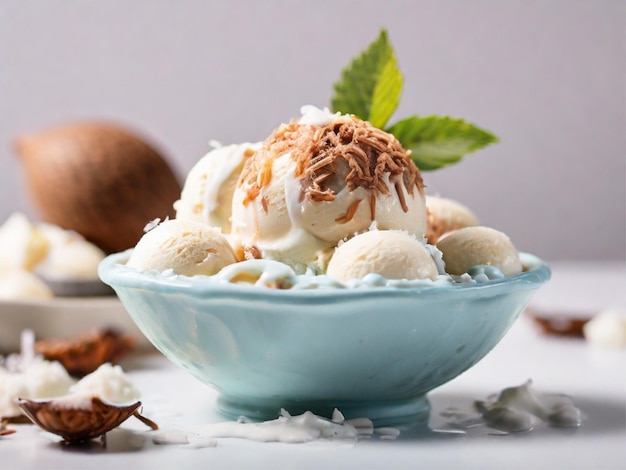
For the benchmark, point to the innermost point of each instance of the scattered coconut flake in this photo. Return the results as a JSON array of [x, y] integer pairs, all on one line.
[[73, 402], [198, 441], [312, 115], [338, 417], [170, 436], [40, 379], [363, 425], [387, 433], [109, 383], [518, 409], [20, 362], [607, 329], [27, 346], [153, 223]]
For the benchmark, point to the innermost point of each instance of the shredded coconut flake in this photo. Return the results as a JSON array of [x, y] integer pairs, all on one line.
[[153, 223]]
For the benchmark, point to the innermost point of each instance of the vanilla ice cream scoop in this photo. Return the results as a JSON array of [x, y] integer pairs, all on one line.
[[322, 179], [472, 246], [445, 215], [208, 191], [186, 247], [393, 254]]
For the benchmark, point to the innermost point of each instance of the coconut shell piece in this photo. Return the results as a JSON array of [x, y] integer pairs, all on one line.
[[4, 431], [86, 352], [559, 323], [97, 179], [82, 422]]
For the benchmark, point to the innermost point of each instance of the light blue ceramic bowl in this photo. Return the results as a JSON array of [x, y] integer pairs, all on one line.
[[370, 352]]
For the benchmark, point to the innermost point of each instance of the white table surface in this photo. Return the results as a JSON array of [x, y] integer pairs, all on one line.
[[595, 378]]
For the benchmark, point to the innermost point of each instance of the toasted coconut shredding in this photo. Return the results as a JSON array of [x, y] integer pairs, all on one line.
[[249, 152], [372, 205], [373, 159], [400, 194], [251, 252], [349, 215], [265, 175]]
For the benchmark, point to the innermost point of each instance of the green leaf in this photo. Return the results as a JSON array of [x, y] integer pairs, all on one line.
[[387, 93], [438, 141], [371, 85]]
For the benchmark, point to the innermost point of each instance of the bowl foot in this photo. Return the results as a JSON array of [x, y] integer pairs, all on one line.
[[381, 413]]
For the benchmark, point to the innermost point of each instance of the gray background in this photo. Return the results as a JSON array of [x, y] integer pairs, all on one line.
[[548, 77]]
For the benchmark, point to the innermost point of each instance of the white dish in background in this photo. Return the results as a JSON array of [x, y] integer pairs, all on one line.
[[63, 317]]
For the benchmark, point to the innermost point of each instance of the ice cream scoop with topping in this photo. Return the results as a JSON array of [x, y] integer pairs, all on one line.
[[320, 180]]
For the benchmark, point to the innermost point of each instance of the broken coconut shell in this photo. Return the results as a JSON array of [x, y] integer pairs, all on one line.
[[4, 431], [84, 353], [97, 179], [82, 421]]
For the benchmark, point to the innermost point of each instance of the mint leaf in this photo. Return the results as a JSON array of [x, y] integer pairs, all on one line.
[[438, 141], [371, 85], [387, 93]]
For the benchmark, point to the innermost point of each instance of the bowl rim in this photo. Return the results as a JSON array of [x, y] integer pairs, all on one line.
[[113, 272]]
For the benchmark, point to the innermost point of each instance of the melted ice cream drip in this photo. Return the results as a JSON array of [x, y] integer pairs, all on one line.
[[518, 409], [302, 428], [274, 274]]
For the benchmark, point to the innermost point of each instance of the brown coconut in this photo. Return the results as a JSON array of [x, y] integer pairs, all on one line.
[[97, 179]]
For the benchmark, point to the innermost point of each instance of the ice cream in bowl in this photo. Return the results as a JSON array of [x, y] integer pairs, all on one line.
[[303, 273]]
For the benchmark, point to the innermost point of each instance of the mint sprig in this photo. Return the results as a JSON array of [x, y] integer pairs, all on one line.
[[370, 88]]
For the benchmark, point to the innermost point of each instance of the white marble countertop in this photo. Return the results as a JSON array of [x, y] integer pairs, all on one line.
[[595, 378]]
